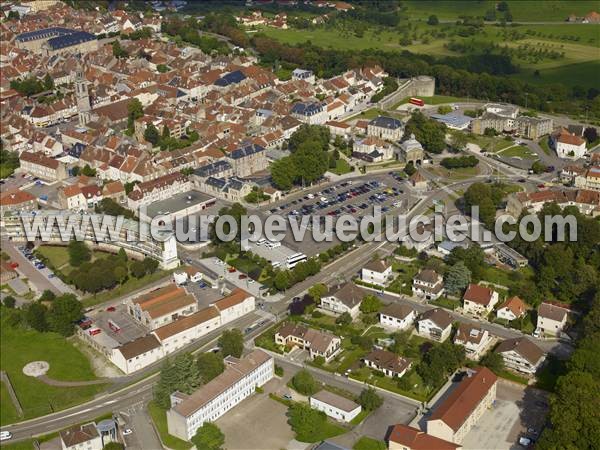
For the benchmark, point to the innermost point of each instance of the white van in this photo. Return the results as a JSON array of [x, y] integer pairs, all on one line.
[[5, 435]]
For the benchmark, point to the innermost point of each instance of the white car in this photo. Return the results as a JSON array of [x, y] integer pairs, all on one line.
[[273, 244], [5, 435], [127, 431]]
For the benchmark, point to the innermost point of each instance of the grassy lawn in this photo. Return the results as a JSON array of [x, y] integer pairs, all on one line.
[[57, 256], [458, 174], [445, 302], [132, 284], [507, 278], [8, 413], [341, 167], [367, 443], [518, 151], [361, 416], [371, 113], [267, 339], [159, 417], [435, 100], [327, 431], [511, 376], [19, 347], [403, 282]]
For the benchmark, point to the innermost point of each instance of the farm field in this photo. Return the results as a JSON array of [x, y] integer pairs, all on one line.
[[521, 10]]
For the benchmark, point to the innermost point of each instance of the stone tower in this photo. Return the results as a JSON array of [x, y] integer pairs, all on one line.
[[84, 107]]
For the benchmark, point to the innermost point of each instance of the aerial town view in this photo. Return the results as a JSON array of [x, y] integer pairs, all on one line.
[[299, 224]]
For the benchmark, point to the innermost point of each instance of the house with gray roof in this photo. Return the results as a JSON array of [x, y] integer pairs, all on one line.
[[342, 299], [386, 128]]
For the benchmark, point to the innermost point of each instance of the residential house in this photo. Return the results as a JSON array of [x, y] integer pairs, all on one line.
[[428, 284], [335, 406], [479, 300], [512, 309], [137, 354], [459, 412], [551, 319], [303, 75], [81, 437], [521, 354], [435, 324], [397, 316], [474, 339], [318, 343], [403, 437], [342, 299], [389, 363], [372, 149], [568, 145], [377, 271]]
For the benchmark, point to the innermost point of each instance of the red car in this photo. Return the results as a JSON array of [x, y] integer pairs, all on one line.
[[14, 265], [111, 309], [231, 270], [243, 276]]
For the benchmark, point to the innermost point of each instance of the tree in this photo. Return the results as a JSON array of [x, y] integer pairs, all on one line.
[[317, 291], [65, 311], [306, 422], [538, 167], [410, 169], [137, 268], [428, 132], [48, 82], [35, 316], [151, 134], [47, 296], [210, 365], [208, 437], [344, 319], [232, 343], [433, 20], [459, 141], [502, 6], [370, 304], [444, 109], [135, 110], [88, 171], [457, 278], [304, 383], [493, 361], [113, 446], [282, 280], [9, 301], [590, 134], [369, 400], [150, 265], [78, 253], [118, 51]]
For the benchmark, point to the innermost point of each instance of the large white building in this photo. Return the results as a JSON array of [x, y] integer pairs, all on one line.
[[335, 406], [239, 381], [237, 304], [568, 145]]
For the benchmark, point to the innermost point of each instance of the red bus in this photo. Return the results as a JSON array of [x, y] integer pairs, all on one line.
[[416, 101]]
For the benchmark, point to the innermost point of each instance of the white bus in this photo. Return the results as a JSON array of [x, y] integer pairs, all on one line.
[[294, 259]]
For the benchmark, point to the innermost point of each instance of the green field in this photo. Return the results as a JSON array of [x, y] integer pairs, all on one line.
[[521, 10], [8, 413], [19, 347], [518, 151]]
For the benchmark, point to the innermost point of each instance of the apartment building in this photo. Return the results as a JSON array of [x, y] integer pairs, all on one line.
[[41, 166], [460, 411], [239, 381], [160, 188], [237, 304]]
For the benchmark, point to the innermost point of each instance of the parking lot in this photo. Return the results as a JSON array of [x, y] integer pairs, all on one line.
[[354, 197], [517, 412], [257, 422], [124, 327]]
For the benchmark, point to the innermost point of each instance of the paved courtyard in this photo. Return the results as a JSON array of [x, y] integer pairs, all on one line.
[[517, 409], [257, 423]]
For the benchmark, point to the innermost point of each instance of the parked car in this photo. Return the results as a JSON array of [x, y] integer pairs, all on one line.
[[127, 431], [243, 276], [111, 309], [231, 269], [13, 265], [5, 435]]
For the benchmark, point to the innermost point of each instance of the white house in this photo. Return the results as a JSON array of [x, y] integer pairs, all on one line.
[[377, 272], [428, 284], [81, 437], [551, 319], [475, 340], [386, 128], [346, 298], [568, 145], [335, 406], [397, 316], [239, 381], [521, 354], [512, 309], [389, 363], [435, 324], [479, 300]]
